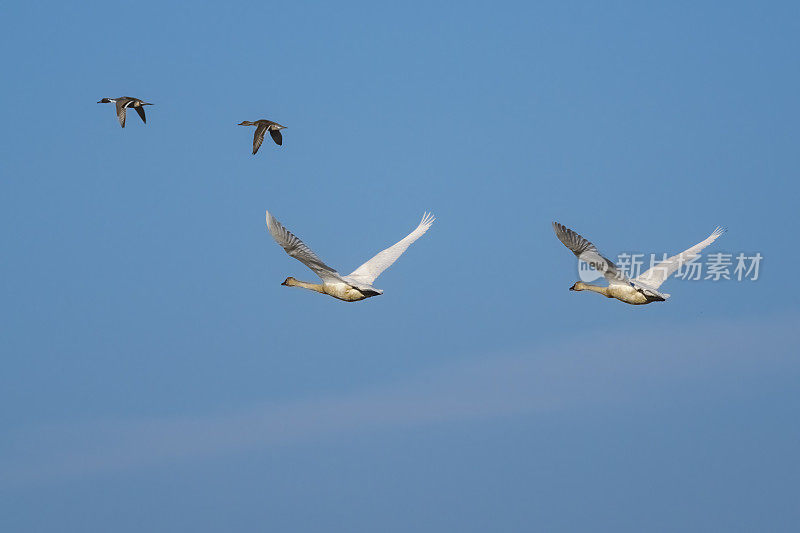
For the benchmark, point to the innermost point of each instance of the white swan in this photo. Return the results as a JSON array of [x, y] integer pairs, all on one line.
[[640, 290], [353, 287]]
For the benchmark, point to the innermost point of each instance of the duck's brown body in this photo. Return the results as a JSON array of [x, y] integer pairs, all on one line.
[[123, 103], [263, 126]]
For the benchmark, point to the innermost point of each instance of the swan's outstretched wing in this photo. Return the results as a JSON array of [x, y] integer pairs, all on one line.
[[655, 276], [370, 270], [586, 251], [298, 249]]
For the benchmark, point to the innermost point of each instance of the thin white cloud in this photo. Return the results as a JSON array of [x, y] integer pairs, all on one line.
[[596, 370]]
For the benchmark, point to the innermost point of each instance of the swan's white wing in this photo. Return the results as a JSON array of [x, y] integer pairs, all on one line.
[[655, 276], [298, 249], [586, 251], [370, 270]]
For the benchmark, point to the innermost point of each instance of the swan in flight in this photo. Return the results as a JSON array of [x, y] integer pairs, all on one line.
[[356, 285], [640, 290]]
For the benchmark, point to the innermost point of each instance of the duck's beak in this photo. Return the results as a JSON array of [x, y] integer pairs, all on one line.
[[284, 284]]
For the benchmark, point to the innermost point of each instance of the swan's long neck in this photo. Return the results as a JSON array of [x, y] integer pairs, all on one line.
[[580, 286], [291, 282]]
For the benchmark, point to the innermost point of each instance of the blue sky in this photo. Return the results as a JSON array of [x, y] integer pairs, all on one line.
[[155, 375]]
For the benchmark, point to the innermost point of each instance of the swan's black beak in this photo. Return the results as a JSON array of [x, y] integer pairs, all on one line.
[[572, 288], [284, 284]]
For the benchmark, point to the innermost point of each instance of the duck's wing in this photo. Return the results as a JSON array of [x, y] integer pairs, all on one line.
[[276, 136], [299, 250], [140, 110], [586, 251], [370, 270], [258, 137], [655, 276], [122, 105]]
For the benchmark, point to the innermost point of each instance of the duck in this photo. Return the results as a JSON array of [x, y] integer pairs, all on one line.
[[640, 290], [262, 126], [356, 286], [123, 103]]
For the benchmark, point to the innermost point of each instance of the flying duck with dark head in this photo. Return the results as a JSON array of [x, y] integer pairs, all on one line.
[[262, 126], [123, 103]]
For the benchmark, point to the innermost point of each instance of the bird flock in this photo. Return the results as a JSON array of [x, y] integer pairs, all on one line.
[[358, 285]]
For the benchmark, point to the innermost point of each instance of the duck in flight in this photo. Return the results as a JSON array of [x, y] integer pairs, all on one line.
[[637, 291], [123, 103], [262, 126], [358, 284]]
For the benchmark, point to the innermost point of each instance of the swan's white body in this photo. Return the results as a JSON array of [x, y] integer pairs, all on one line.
[[637, 291], [358, 284]]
